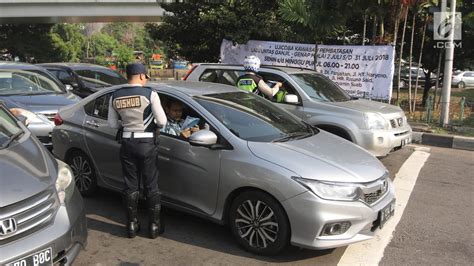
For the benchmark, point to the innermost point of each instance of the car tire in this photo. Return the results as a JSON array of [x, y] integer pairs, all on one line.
[[461, 85], [259, 223], [84, 173]]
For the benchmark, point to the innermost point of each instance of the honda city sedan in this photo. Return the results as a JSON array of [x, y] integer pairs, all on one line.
[[42, 216], [271, 177]]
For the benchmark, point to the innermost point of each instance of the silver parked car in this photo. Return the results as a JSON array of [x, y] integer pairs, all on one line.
[[463, 79], [42, 218], [273, 178], [377, 127], [35, 94]]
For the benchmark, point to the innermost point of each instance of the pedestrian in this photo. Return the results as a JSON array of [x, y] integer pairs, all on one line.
[[254, 83], [137, 110]]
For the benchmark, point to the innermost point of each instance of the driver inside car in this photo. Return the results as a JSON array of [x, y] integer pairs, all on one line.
[[174, 125]]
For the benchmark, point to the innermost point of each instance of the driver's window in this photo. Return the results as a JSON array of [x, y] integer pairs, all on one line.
[[183, 120], [99, 108], [272, 79]]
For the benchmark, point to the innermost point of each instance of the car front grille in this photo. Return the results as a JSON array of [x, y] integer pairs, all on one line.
[[397, 122], [30, 215], [374, 191]]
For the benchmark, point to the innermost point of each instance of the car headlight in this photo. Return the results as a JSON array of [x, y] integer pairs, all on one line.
[[375, 121], [30, 116], [64, 182], [331, 190]]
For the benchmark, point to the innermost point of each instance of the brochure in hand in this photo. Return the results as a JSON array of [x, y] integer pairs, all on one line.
[[189, 122]]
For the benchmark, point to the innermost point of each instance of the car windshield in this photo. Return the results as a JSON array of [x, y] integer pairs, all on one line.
[[9, 128], [18, 82], [320, 88], [100, 78], [253, 118]]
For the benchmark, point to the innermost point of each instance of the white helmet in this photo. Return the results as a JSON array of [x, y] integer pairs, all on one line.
[[252, 63]]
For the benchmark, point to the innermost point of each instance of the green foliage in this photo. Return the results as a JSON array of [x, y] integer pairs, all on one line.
[[29, 42], [68, 42], [102, 44], [124, 55], [196, 28]]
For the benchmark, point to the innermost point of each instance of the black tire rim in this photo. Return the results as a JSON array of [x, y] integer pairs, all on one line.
[[82, 173], [256, 223]]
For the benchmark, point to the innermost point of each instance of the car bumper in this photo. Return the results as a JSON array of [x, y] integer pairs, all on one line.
[[43, 132], [382, 142], [308, 214], [67, 236]]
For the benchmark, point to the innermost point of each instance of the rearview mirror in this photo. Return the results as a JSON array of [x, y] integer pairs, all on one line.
[[203, 137], [291, 98]]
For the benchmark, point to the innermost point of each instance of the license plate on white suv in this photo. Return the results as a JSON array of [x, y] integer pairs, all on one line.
[[40, 258], [386, 213]]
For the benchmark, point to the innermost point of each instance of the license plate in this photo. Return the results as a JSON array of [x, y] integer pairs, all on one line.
[[386, 213], [40, 258], [405, 142]]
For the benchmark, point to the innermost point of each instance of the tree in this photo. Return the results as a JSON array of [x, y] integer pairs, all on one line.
[[28, 42], [196, 28], [68, 42]]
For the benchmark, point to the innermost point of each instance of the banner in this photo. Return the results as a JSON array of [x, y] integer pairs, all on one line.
[[362, 71]]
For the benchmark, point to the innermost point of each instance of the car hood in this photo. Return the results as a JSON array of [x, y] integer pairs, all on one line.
[[323, 157], [366, 106], [41, 103], [27, 169]]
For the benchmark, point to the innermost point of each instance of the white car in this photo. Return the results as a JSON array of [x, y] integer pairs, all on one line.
[[463, 79], [378, 127]]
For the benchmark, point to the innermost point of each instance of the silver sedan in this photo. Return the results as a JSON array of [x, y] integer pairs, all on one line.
[[272, 178]]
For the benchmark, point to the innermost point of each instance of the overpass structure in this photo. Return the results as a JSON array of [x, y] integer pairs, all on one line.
[[54, 11]]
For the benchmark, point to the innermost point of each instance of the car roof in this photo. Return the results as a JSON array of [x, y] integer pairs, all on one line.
[[19, 65], [74, 65], [287, 69], [189, 88]]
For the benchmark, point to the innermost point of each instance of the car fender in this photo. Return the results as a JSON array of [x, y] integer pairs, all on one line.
[[341, 123]]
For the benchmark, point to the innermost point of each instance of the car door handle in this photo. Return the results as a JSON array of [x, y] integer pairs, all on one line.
[[92, 123]]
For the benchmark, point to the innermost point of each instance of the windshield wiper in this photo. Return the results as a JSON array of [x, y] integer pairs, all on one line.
[[293, 135], [11, 139], [314, 129]]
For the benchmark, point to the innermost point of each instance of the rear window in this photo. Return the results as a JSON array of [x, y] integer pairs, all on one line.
[[228, 77], [101, 77]]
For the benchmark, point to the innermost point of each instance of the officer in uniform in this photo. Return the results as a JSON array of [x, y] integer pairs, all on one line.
[[254, 83], [137, 111]]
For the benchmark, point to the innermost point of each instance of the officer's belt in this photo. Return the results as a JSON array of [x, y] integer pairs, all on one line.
[[138, 135]]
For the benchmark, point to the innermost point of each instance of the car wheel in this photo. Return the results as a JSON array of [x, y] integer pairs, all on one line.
[[461, 85], [259, 223], [84, 174]]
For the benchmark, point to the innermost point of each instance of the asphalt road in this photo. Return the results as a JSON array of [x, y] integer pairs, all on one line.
[[436, 227]]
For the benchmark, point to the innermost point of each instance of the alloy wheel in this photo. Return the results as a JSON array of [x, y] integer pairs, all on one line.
[[83, 174], [256, 223]]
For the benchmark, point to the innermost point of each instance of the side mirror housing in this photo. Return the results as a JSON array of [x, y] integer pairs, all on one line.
[[203, 137], [291, 98]]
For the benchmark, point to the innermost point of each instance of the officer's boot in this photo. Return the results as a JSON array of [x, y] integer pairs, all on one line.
[[156, 226], [131, 206]]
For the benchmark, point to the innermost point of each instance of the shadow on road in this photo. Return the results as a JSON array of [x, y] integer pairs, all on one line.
[[105, 214]]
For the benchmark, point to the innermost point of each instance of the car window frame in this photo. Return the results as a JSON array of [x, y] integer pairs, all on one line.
[[93, 102]]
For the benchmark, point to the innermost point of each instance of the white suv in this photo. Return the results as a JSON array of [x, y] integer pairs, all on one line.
[[378, 127]]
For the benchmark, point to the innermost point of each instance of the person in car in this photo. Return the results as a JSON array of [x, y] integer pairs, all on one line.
[[137, 110], [254, 83], [174, 124]]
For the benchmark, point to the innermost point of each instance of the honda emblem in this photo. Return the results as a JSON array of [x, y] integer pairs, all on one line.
[[8, 226]]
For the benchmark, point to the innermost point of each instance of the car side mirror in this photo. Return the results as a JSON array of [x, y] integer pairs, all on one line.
[[203, 137], [291, 98], [69, 87]]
